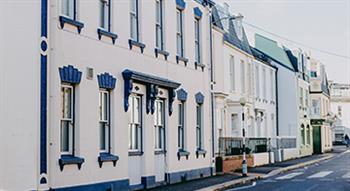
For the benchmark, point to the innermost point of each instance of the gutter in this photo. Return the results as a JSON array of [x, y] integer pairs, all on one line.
[[276, 96]]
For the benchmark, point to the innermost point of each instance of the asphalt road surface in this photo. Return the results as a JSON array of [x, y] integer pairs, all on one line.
[[329, 175]]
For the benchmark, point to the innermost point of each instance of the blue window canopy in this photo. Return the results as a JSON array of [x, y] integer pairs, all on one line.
[[106, 81], [69, 74], [181, 95], [199, 98], [66, 20], [152, 84], [102, 32], [180, 4], [69, 160], [107, 157], [197, 13]]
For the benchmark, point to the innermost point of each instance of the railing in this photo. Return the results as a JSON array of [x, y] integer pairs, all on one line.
[[229, 146]]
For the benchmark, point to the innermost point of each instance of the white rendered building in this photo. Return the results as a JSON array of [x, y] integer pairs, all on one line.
[[239, 74], [104, 94]]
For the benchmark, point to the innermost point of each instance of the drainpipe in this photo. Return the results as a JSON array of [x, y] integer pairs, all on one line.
[[276, 96], [211, 89]]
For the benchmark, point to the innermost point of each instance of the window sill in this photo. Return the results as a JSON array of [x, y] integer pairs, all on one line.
[[136, 43], [183, 59], [69, 160], [135, 153], [163, 52], [181, 153], [102, 32], [160, 152], [201, 152], [196, 64], [107, 157], [66, 20]]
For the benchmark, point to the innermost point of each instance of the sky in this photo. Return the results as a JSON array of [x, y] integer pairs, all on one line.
[[322, 24]]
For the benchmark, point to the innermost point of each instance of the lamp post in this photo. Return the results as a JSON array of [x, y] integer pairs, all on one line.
[[242, 101]]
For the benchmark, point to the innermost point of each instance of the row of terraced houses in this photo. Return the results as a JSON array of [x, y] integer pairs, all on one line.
[[134, 94]]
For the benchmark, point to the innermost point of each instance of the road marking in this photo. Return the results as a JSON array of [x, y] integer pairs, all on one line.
[[289, 176], [320, 174], [347, 175], [243, 187], [297, 180], [269, 181]]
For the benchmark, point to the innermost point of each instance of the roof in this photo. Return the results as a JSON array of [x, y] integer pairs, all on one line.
[[232, 38], [293, 60], [216, 18], [271, 48]]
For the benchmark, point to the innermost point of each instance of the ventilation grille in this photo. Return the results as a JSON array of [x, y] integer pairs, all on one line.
[[89, 73]]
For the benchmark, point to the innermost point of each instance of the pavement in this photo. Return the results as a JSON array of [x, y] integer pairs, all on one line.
[[260, 178]]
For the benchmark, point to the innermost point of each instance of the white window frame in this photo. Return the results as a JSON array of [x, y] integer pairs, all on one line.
[[197, 40], [257, 81], [199, 127], [104, 119], [135, 123], [159, 125], [105, 14], [243, 74], [264, 83], [234, 121], [180, 49], [69, 119], [135, 15], [181, 126], [159, 24], [232, 73], [69, 8]]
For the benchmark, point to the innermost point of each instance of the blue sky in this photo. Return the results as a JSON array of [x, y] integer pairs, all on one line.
[[324, 24]]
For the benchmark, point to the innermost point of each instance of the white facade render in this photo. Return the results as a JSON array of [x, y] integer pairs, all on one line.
[[287, 130], [239, 74], [111, 100]]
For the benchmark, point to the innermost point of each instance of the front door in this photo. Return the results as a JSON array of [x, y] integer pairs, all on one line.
[[316, 135]]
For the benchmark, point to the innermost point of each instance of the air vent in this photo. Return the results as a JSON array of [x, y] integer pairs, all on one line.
[[89, 73]]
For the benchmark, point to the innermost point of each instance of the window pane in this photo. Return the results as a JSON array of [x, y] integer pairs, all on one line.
[[103, 131], [106, 106], [66, 95], [133, 5], [178, 45], [158, 11], [65, 136], [133, 27]]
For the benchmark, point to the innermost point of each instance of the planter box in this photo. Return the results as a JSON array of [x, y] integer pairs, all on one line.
[[232, 163]]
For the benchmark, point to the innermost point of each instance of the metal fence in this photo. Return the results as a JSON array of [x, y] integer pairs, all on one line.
[[229, 146]]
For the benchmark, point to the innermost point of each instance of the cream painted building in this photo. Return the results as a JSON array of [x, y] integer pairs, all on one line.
[[320, 107], [106, 94]]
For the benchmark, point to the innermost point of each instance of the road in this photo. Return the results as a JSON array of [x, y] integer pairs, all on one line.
[[329, 175]]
